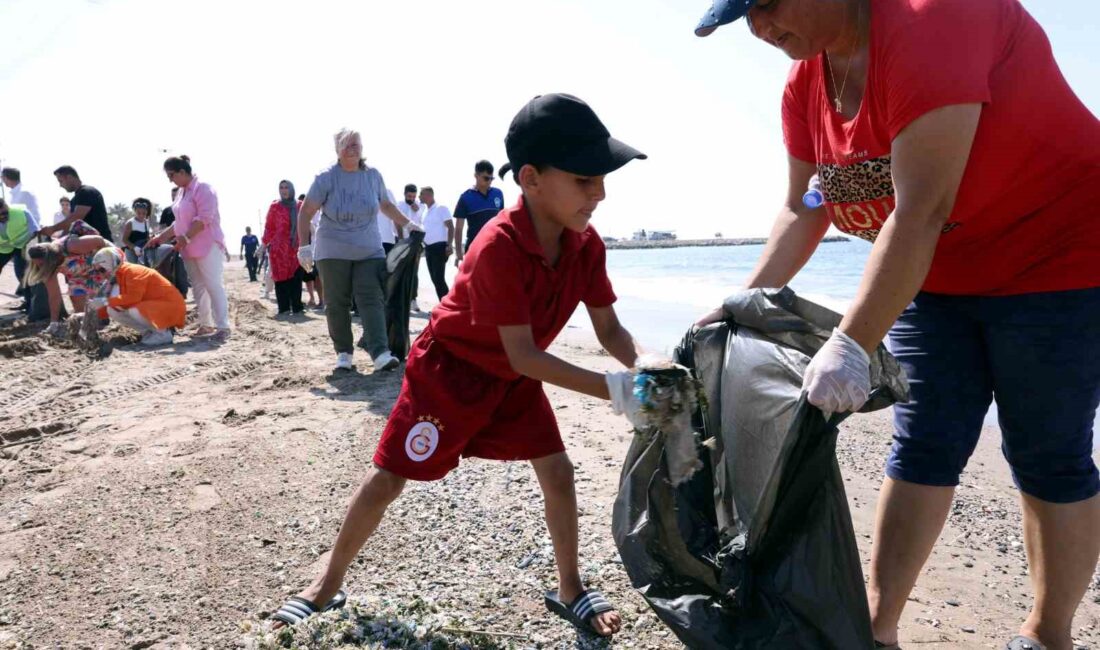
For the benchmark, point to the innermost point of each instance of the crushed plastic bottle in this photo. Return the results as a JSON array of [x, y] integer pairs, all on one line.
[[814, 197]]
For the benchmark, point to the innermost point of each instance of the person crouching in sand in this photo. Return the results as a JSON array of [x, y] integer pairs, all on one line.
[[473, 383], [139, 298]]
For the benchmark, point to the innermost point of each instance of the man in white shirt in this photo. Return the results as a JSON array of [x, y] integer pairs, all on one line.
[[439, 236], [11, 178], [386, 228], [62, 214], [19, 196], [414, 212]]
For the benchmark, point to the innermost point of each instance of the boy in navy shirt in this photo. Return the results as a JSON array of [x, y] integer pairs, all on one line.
[[473, 383]]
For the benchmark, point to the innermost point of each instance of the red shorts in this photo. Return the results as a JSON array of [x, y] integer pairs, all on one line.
[[449, 408]]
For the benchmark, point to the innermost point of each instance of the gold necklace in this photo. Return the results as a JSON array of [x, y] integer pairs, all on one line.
[[832, 75]]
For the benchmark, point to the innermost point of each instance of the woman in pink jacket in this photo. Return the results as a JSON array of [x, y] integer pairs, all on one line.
[[201, 244]]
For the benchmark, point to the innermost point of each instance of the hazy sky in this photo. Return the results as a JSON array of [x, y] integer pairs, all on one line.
[[253, 92]]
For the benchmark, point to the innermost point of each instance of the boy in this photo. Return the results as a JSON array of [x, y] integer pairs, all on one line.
[[473, 384]]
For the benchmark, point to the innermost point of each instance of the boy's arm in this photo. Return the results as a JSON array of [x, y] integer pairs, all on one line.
[[613, 336], [528, 360]]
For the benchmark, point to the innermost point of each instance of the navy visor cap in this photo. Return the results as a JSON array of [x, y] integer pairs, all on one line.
[[722, 12]]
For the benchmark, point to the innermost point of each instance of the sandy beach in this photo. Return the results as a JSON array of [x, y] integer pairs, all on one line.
[[174, 497]]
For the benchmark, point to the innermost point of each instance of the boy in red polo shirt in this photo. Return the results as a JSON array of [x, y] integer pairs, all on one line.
[[473, 384]]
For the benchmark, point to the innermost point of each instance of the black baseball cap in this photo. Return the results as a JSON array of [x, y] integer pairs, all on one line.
[[562, 131], [722, 12]]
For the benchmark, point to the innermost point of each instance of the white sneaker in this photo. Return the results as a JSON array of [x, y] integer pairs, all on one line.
[[386, 362], [414, 307], [343, 361], [155, 338]]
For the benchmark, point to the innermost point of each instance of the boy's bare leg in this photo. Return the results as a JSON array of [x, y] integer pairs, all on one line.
[[555, 474], [377, 491]]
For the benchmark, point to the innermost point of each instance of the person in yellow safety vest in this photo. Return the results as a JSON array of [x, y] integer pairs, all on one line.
[[17, 228]]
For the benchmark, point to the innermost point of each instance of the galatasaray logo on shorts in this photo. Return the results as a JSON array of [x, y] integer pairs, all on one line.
[[423, 438]]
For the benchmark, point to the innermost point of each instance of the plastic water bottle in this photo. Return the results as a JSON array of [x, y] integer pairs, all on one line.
[[813, 198]]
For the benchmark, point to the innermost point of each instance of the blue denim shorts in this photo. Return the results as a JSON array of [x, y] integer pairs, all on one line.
[[1037, 354]]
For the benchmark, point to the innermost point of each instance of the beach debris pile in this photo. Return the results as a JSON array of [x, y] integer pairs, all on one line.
[[377, 623], [669, 394]]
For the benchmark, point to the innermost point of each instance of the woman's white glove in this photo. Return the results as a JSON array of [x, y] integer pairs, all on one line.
[[620, 386], [305, 258], [838, 379]]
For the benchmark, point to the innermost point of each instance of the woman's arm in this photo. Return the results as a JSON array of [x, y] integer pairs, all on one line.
[[305, 216], [126, 229], [85, 245], [269, 226], [794, 238], [795, 235], [928, 160], [53, 294], [391, 211]]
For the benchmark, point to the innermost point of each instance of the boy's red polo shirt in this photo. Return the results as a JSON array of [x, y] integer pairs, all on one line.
[[506, 279], [460, 396]]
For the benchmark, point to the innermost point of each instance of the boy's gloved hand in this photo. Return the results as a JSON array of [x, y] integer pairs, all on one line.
[[55, 329], [305, 258], [838, 379], [620, 385]]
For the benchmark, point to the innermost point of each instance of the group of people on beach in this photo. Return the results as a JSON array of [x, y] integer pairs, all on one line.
[[919, 118], [335, 239]]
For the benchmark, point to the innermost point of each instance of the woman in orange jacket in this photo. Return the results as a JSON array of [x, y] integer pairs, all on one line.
[[139, 298]]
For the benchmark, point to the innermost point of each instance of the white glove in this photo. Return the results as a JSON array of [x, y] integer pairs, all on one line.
[[55, 329], [414, 227], [305, 258], [838, 379], [97, 303], [620, 385]]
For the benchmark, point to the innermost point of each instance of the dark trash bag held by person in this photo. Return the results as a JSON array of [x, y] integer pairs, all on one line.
[[756, 551], [402, 264]]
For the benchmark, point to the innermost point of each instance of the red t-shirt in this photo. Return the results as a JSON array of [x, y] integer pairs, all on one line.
[[506, 279], [1027, 215]]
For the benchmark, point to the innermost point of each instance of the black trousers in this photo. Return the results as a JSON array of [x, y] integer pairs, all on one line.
[[288, 294], [252, 263], [437, 267], [16, 258]]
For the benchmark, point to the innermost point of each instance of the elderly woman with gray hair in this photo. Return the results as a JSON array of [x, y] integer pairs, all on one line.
[[347, 249]]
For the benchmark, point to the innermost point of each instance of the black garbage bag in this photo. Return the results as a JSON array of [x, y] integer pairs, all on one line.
[[168, 262], [402, 263], [756, 551]]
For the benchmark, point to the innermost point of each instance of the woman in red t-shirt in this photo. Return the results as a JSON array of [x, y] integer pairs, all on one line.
[[944, 132]]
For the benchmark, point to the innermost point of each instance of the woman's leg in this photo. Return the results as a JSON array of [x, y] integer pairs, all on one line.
[[1045, 353], [213, 266], [282, 296], [368, 285], [337, 275], [941, 348], [295, 291], [198, 287], [131, 318]]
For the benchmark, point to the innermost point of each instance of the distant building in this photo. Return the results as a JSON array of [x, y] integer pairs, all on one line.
[[640, 235], [659, 235]]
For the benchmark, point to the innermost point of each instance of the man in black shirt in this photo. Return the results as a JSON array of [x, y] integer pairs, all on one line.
[[87, 205], [167, 217]]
